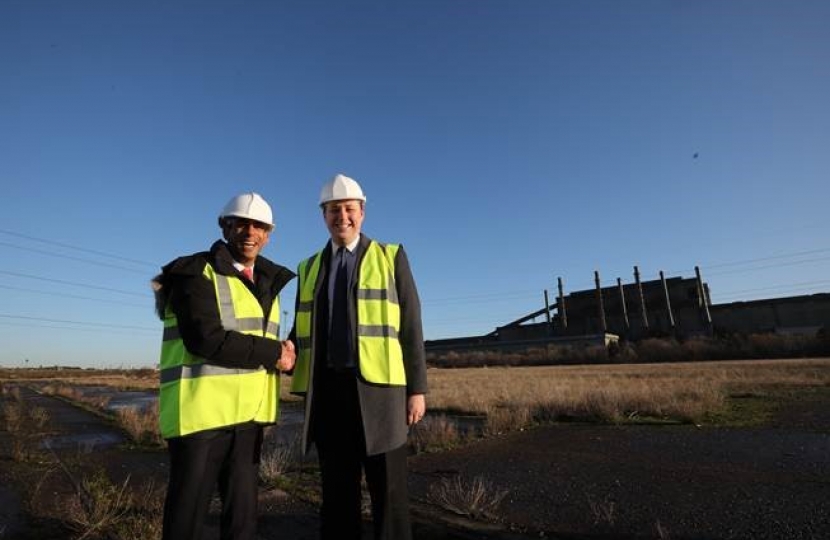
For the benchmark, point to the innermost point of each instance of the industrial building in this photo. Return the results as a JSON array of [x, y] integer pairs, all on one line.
[[668, 307]]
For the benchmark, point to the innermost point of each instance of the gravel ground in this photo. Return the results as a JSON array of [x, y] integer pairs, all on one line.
[[580, 481]]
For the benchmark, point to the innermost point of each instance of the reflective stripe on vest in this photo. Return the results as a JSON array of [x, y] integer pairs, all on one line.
[[195, 396], [307, 272], [380, 357]]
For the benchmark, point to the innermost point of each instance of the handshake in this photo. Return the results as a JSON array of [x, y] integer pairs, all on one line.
[[288, 356]]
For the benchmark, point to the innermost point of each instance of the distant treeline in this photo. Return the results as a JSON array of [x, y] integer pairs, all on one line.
[[72, 372], [729, 347]]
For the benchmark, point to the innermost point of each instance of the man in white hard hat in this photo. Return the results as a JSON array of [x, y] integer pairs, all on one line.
[[361, 367], [220, 363]]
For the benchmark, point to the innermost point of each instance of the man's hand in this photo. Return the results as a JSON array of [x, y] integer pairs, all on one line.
[[416, 408], [288, 356]]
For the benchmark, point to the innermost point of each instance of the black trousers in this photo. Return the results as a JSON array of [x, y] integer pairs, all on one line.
[[338, 434], [199, 463]]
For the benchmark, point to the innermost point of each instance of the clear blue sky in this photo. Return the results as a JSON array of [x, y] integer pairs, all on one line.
[[505, 143]]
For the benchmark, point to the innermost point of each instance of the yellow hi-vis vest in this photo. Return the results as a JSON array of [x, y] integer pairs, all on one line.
[[380, 358], [195, 396]]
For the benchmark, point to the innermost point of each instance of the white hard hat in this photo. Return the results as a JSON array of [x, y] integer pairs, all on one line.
[[250, 206], [341, 188]]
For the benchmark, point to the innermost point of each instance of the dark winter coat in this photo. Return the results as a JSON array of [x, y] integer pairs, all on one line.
[[193, 299]]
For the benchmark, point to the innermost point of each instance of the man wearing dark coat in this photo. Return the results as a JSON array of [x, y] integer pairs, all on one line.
[[361, 367], [219, 370]]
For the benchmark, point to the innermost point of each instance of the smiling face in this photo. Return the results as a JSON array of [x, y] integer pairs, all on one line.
[[343, 220], [245, 238]]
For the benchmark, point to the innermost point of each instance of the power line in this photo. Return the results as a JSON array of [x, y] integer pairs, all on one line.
[[583, 284], [767, 267], [129, 332], [461, 300], [64, 321], [781, 290], [67, 295], [795, 285], [73, 283], [708, 267], [70, 257], [70, 246], [770, 258]]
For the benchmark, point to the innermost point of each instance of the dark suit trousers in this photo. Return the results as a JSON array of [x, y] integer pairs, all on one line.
[[338, 433], [199, 463]]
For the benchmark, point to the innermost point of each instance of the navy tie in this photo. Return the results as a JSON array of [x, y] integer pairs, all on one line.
[[340, 340]]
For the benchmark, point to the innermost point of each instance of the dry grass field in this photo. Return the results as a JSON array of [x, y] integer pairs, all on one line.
[[682, 391], [138, 379], [514, 397]]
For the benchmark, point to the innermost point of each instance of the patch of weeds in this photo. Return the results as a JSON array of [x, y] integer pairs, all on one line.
[[144, 516], [276, 460], [477, 499], [507, 417], [804, 407], [761, 407], [24, 425], [434, 434], [98, 504], [141, 425], [604, 512], [303, 483], [101, 508], [812, 394], [743, 410]]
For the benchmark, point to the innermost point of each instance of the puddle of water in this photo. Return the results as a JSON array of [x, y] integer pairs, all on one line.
[[115, 400], [86, 442], [140, 401], [289, 424]]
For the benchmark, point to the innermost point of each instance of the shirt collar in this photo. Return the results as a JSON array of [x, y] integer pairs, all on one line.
[[239, 266], [350, 247]]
